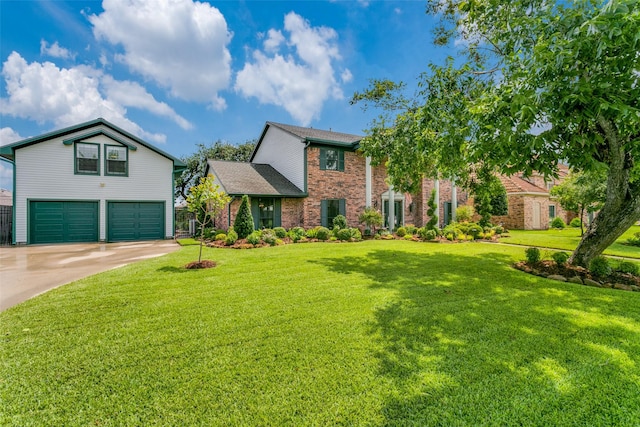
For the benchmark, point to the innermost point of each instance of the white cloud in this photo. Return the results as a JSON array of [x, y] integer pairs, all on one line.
[[55, 50], [301, 78], [8, 135], [68, 96], [180, 44]]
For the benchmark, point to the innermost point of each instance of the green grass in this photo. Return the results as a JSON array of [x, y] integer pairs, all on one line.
[[379, 333], [568, 239]]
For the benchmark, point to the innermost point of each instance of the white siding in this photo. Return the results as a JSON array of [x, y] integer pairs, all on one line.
[[285, 153], [45, 171]]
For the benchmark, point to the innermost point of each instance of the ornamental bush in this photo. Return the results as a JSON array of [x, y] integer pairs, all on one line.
[[628, 267], [340, 221], [532, 254], [429, 235], [575, 223], [243, 224], [296, 233], [254, 238], [356, 235], [343, 234], [464, 213], [401, 231], [558, 223], [476, 231], [323, 233], [411, 229], [600, 266], [560, 257], [269, 236], [281, 233], [232, 237], [221, 237]]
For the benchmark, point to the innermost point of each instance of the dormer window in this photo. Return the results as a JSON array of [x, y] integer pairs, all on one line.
[[331, 159], [87, 158], [115, 160]]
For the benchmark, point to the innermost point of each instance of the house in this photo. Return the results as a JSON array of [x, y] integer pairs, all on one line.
[[91, 182], [300, 176]]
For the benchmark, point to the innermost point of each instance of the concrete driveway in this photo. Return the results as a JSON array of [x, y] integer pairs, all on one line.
[[27, 271]]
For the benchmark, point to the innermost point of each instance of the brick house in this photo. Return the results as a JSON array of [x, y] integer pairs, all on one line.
[[305, 177]]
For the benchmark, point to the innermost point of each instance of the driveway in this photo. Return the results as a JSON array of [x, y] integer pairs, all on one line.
[[27, 271]]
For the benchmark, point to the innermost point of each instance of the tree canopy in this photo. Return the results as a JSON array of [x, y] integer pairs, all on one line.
[[535, 82]]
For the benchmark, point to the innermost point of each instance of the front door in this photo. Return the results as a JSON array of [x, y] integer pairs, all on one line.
[[397, 211]]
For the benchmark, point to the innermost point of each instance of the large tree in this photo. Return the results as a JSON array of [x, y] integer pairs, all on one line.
[[197, 162], [540, 82]]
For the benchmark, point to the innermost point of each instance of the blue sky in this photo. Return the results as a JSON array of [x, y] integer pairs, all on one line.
[[178, 73]]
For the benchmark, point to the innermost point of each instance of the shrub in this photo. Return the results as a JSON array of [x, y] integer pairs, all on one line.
[[628, 267], [279, 242], [635, 240], [452, 228], [209, 233], [429, 235], [464, 213], [269, 236], [432, 224], [340, 221], [600, 266], [343, 234], [254, 238], [411, 229], [558, 223], [296, 233], [243, 224], [232, 236], [220, 237], [532, 254], [332, 239], [356, 235], [323, 233], [401, 231], [575, 223], [498, 229], [281, 233], [560, 257], [476, 231], [408, 237]]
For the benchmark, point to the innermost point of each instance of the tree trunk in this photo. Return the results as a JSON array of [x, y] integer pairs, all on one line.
[[622, 205]]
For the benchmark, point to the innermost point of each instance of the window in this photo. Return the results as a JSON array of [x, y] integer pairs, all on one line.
[[266, 210], [330, 209], [87, 158], [116, 160], [552, 212], [331, 159]]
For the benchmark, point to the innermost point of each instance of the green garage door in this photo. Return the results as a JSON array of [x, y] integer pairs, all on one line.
[[135, 221], [63, 222]]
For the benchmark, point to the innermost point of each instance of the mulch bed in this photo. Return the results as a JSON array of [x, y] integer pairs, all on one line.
[[546, 268], [205, 263]]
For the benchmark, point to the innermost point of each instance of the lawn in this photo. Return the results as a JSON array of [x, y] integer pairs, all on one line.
[[568, 238], [378, 333]]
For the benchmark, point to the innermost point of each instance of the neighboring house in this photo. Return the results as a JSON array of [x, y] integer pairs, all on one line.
[[91, 182], [531, 207], [6, 216], [305, 177]]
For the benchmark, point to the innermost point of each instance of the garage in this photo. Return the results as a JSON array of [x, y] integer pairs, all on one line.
[[63, 221], [127, 221]]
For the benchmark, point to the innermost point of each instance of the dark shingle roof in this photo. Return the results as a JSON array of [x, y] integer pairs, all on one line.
[[252, 179], [318, 134]]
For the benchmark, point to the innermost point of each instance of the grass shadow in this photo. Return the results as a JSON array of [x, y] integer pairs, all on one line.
[[468, 340]]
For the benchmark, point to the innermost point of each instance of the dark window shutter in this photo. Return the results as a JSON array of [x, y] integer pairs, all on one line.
[[323, 214], [277, 214], [255, 213], [323, 159], [342, 206], [340, 160]]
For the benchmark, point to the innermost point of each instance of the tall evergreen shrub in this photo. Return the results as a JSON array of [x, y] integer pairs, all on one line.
[[243, 224], [432, 224]]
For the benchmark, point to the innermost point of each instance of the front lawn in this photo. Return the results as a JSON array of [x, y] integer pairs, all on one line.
[[375, 333], [568, 239]]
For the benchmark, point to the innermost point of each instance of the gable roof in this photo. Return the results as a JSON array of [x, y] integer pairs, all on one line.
[[8, 151], [313, 136], [252, 179], [517, 185]]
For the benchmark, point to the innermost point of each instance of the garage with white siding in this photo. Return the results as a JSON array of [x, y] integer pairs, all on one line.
[[91, 182]]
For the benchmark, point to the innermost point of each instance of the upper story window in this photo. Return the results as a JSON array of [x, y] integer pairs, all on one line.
[[331, 159], [115, 160], [87, 158]]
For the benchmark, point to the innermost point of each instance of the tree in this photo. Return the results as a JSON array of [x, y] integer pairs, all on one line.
[[206, 201], [542, 81], [197, 162], [372, 218], [243, 225], [581, 192], [489, 196], [432, 224]]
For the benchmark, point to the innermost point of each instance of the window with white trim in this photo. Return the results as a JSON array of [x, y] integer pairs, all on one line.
[[116, 160], [87, 158]]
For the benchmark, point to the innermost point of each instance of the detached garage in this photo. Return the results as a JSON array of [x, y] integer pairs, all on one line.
[[92, 182]]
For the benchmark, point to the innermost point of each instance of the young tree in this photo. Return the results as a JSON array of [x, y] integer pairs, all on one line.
[[206, 201], [197, 162], [581, 192], [543, 81], [243, 225], [372, 218]]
